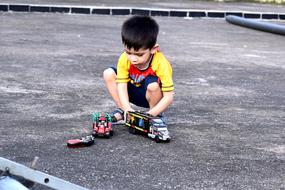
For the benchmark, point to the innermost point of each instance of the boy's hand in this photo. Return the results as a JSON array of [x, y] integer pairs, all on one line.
[[149, 113], [126, 111]]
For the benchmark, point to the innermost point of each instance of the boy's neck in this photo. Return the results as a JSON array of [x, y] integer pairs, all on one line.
[[146, 65]]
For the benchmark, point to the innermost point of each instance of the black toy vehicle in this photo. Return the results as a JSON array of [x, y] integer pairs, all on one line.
[[154, 127]]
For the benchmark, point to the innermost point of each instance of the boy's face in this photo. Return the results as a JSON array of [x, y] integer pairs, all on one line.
[[139, 58]]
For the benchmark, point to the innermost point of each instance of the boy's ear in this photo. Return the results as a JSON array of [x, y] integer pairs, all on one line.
[[154, 49]]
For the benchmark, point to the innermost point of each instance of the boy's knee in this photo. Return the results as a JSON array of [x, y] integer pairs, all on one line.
[[109, 74], [153, 87]]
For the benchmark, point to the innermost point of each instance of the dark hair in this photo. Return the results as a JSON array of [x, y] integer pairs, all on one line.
[[139, 32]]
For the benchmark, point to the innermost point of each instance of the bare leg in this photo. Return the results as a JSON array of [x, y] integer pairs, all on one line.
[[153, 94], [109, 76]]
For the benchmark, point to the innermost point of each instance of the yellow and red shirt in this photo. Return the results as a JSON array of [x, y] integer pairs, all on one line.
[[159, 66]]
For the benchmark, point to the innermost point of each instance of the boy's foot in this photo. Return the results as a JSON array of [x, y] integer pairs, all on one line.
[[117, 115], [161, 117]]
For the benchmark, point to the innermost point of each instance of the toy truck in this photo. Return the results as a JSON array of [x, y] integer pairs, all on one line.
[[102, 125], [153, 127]]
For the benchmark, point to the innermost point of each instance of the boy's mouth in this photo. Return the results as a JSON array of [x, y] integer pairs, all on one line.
[[136, 63], [140, 65]]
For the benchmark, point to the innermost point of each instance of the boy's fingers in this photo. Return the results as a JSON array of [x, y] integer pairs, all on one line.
[[125, 113]]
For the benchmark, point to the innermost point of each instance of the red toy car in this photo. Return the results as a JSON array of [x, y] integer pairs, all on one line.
[[102, 125]]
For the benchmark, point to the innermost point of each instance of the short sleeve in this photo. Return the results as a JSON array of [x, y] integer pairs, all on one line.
[[164, 72], [122, 69]]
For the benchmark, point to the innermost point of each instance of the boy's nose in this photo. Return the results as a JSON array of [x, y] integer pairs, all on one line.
[[133, 58]]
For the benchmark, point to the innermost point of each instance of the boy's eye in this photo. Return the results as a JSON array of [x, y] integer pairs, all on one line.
[[136, 54], [139, 54]]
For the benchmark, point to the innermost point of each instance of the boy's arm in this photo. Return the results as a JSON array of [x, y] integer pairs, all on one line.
[[163, 104], [124, 97]]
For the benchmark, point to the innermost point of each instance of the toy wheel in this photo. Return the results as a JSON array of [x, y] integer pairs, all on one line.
[[132, 130], [168, 140], [108, 136], [111, 133], [157, 140]]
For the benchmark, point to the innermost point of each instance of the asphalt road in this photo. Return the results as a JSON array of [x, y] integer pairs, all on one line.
[[227, 121]]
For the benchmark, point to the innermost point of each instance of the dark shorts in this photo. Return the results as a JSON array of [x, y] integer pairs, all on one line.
[[137, 94]]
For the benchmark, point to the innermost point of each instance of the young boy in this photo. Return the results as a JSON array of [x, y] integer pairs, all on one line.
[[143, 75]]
